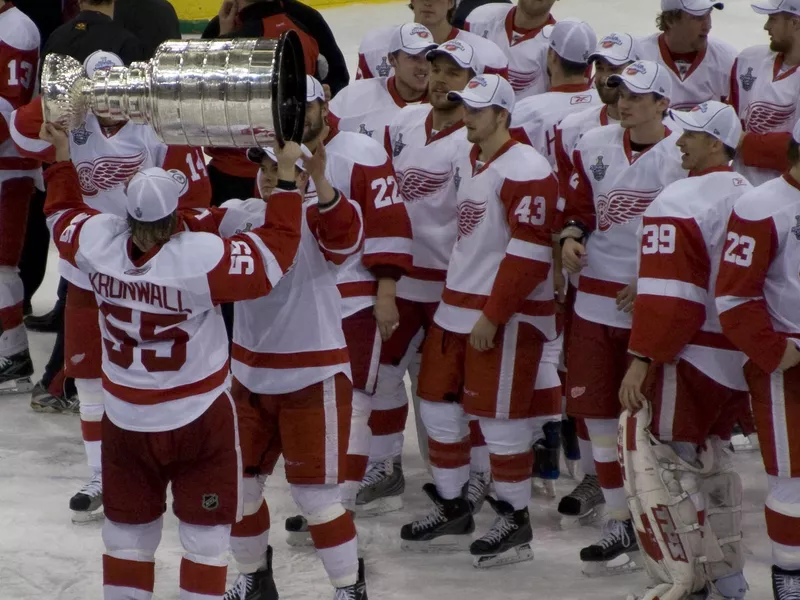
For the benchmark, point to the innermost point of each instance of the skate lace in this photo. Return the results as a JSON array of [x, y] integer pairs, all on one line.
[[501, 527], [94, 487], [586, 489], [434, 518], [4, 362], [377, 472], [478, 484], [348, 593], [242, 585], [787, 587], [615, 531]]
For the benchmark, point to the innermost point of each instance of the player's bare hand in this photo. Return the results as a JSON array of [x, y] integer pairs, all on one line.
[[387, 316], [227, 16], [626, 298], [630, 392], [327, 89], [315, 164], [287, 156], [483, 334], [791, 356], [58, 137], [560, 285], [573, 255]]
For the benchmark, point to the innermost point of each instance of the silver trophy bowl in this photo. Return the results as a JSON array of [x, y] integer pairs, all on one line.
[[218, 93]]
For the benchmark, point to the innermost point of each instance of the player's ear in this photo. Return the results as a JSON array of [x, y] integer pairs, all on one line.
[[393, 59]]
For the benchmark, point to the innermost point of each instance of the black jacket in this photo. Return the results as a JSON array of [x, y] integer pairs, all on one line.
[[306, 18], [152, 21], [465, 7], [45, 13]]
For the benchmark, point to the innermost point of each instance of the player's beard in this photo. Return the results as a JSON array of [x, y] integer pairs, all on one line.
[[781, 46], [607, 95], [313, 130]]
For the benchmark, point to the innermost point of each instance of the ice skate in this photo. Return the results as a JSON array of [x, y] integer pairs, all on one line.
[[381, 490], [15, 373], [785, 584], [616, 553], [745, 443], [583, 505], [354, 592], [507, 542], [86, 504], [478, 489], [447, 528], [297, 533], [569, 443], [43, 401], [255, 586]]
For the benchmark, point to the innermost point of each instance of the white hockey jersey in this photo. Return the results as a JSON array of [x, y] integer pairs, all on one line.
[[535, 119], [359, 168], [293, 337], [706, 78], [503, 254], [367, 106], [526, 51], [424, 161], [373, 53], [758, 286], [165, 351], [766, 96], [683, 235], [611, 187]]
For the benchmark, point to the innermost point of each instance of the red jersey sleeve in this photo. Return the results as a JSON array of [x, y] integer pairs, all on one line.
[[363, 71], [387, 228], [208, 220], [192, 163], [750, 248], [674, 272], [17, 74], [530, 209], [579, 197], [25, 124], [338, 229]]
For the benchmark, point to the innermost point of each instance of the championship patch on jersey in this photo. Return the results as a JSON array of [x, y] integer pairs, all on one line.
[[398, 146], [748, 79], [384, 68], [457, 178], [598, 169], [80, 136], [363, 130], [796, 228]]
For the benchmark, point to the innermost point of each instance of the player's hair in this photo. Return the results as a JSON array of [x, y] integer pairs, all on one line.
[[730, 153], [96, 2], [572, 68], [497, 110], [155, 232], [794, 152], [666, 18], [450, 13]]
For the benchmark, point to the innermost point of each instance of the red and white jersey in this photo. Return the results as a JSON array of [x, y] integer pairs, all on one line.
[[610, 189], [360, 169], [165, 351], [683, 234], [758, 286], [766, 96], [373, 53], [107, 159], [503, 254], [19, 61], [535, 119], [424, 161], [526, 51], [706, 77], [293, 337], [367, 106]]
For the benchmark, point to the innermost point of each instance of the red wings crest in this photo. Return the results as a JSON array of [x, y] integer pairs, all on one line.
[[416, 184], [522, 80], [108, 173], [765, 117], [622, 206], [470, 215]]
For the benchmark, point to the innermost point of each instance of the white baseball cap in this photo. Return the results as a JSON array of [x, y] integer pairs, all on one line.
[[697, 8], [644, 77], [771, 7], [314, 90], [257, 154], [714, 118], [485, 90], [101, 60], [618, 49], [411, 38], [572, 40], [462, 54], [153, 193]]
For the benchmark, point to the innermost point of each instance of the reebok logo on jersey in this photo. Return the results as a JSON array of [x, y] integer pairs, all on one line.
[[796, 228], [210, 502], [580, 100], [748, 79], [739, 181], [577, 392]]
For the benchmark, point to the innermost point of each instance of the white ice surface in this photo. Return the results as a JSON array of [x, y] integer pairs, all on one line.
[[44, 556]]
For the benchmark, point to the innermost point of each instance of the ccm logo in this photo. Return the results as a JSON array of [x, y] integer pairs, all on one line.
[[581, 100]]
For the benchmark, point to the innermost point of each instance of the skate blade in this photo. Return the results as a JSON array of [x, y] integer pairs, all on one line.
[[440, 545], [519, 554], [379, 506], [585, 520], [86, 517], [622, 565], [544, 488], [16, 386], [742, 443], [573, 468], [299, 539]]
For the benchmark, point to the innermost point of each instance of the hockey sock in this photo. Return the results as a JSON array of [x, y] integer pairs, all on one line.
[[250, 536], [357, 449], [603, 434], [479, 452], [510, 444], [13, 338], [92, 408], [783, 522], [389, 413], [204, 566], [129, 560], [587, 458], [448, 446]]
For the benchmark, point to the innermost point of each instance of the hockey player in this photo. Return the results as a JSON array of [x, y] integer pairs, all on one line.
[[424, 142], [619, 169], [765, 91], [373, 60], [756, 288], [687, 375], [368, 106], [19, 57], [106, 154], [698, 64], [170, 417], [536, 118], [517, 31], [481, 357]]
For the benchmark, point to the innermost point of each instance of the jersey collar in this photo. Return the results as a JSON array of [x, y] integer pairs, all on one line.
[[391, 87], [791, 181], [7, 6], [666, 55], [626, 141], [476, 151], [571, 88], [529, 35], [776, 69], [721, 169], [430, 137]]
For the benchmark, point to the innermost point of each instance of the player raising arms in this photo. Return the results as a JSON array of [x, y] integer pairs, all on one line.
[[170, 419]]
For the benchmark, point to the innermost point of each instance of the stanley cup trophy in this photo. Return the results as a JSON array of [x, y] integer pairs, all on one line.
[[224, 93]]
